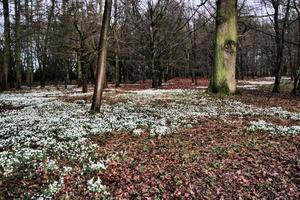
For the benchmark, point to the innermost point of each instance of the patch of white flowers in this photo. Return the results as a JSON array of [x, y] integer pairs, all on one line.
[[50, 165], [273, 128], [160, 130], [97, 186], [137, 132], [11, 160], [46, 127], [52, 189], [55, 186], [96, 166]]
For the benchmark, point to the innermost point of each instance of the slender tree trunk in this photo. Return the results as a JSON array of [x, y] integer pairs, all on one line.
[[223, 80], [100, 10], [277, 69], [7, 48], [153, 32], [117, 69], [29, 70], [117, 47], [83, 76], [45, 45], [67, 75], [194, 46], [81, 67], [101, 68], [189, 63], [160, 72], [297, 67], [18, 45], [279, 39], [79, 72]]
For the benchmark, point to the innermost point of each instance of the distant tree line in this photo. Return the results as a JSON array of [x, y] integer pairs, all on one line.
[[58, 41]]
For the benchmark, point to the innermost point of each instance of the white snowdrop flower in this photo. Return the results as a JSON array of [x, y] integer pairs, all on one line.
[[51, 165], [137, 132], [96, 166], [97, 186]]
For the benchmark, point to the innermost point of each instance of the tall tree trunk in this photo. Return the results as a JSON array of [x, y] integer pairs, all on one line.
[[153, 35], [117, 47], [81, 66], [277, 69], [18, 45], [7, 47], [297, 67], [223, 80], [101, 67], [45, 45], [279, 39], [29, 68], [194, 46]]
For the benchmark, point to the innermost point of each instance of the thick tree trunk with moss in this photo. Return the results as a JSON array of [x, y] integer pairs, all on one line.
[[101, 67], [223, 80]]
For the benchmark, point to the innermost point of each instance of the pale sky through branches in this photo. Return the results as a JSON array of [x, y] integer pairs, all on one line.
[[256, 8]]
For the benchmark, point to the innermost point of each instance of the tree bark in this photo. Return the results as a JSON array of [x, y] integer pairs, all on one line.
[[18, 45], [297, 67], [45, 45], [152, 44], [67, 73], [29, 68], [223, 80], [117, 47], [81, 66], [101, 67], [79, 72], [7, 47], [83, 76], [279, 39]]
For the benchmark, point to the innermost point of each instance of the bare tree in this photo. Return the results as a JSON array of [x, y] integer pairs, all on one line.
[[296, 73], [7, 47], [280, 26], [18, 44], [102, 56], [117, 44], [29, 66]]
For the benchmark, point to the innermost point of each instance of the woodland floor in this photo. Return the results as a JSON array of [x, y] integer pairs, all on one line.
[[176, 142]]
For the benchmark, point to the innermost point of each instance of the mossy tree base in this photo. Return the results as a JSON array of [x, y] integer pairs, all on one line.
[[223, 90]]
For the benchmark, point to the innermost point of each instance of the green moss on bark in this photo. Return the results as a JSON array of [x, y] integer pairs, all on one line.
[[223, 80], [221, 89]]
